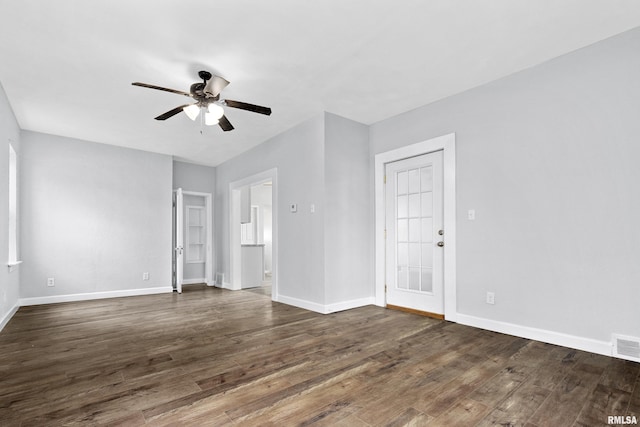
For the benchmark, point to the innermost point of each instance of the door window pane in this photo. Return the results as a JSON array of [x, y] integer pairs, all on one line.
[[427, 230], [414, 205], [414, 230], [414, 181], [426, 178], [403, 230], [426, 282], [414, 279], [414, 254], [401, 179], [426, 202], [403, 206], [403, 254]]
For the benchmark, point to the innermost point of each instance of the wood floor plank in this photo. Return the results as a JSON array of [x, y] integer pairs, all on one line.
[[516, 409], [602, 402], [634, 403], [410, 417], [568, 397], [235, 358], [467, 412]]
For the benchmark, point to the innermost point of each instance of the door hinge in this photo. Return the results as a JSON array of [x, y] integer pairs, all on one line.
[[385, 288], [385, 179], [385, 234]]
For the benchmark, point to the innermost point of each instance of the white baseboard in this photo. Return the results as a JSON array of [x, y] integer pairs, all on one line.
[[193, 281], [225, 285], [325, 308], [579, 343], [301, 303], [8, 316], [348, 305], [94, 295]]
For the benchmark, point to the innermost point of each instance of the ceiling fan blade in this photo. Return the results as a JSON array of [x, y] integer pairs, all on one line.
[[225, 124], [179, 92], [248, 107], [215, 85], [171, 113]]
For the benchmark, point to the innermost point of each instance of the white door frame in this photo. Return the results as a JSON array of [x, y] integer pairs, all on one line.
[[446, 143], [179, 239], [235, 257], [208, 267]]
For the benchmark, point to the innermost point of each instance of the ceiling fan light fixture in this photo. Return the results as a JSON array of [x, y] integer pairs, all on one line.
[[192, 111], [216, 111], [210, 119]]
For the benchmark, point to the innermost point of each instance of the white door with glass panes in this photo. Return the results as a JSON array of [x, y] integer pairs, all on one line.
[[414, 230]]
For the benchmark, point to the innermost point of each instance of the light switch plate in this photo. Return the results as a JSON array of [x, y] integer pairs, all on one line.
[[293, 207], [471, 214]]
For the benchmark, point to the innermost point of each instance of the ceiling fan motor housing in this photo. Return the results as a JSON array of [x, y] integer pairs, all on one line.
[[205, 75]]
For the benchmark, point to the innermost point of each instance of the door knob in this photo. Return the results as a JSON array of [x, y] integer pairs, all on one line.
[[441, 244], [441, 232]]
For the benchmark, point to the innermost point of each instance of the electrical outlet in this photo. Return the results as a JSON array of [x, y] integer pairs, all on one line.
[[145, 275], [51, 281], [491, 298]]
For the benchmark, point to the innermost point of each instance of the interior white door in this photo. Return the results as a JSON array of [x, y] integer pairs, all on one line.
[[414, 230], [179, 240]]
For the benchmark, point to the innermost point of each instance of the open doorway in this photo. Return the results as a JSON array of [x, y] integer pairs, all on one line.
[[253, 233], [192, 239]]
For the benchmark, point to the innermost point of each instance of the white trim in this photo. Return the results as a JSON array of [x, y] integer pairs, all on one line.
[[227, 285], [551, 337], [13, 265], [446, 143], [235, 265], [208, 264], [348, 305], [94, 295], [301, 303], [194, 281], [7, 317], [326, 308]]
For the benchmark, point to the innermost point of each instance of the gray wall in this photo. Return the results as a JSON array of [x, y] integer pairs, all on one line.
[[94, 217], [9, 131], [201, 179], [548, 158], [297, 154], [191, 177], [348, 211], [325, 257]]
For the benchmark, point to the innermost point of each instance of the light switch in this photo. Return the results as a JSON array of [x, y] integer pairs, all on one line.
[[312, 209], [471, 214], [293, 207]]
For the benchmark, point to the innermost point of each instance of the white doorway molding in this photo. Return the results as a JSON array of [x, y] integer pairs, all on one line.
[[446, 143], [208, 268], [235, 258]]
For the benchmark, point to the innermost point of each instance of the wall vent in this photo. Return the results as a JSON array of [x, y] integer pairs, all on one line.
[[626, 347]]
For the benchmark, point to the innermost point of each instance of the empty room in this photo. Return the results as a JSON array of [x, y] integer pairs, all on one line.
[[330, 213]]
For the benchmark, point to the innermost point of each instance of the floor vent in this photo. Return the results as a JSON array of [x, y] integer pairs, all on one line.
[[219, 279], [626, 347]]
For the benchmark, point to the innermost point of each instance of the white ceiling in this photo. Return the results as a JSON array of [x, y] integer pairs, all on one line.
[[67, 65]]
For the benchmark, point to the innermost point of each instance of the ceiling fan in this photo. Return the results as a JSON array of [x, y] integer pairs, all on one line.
[[207, 97]]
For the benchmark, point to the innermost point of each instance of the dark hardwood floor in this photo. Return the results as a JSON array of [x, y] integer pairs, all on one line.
[[212, 357]]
